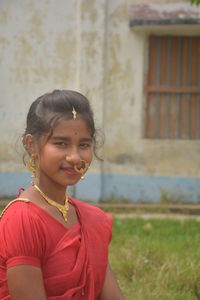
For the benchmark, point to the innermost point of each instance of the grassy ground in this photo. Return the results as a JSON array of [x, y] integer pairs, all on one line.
[[157, 259]]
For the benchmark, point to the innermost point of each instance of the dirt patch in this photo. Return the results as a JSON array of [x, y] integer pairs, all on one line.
[[147, 216]]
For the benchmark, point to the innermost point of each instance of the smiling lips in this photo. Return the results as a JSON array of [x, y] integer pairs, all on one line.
[[69, 170]]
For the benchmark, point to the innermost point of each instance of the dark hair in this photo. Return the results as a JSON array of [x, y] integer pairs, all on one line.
[[47, 110]]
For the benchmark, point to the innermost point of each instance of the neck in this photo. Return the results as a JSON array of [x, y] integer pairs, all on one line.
[[62, 208], [57, 193]]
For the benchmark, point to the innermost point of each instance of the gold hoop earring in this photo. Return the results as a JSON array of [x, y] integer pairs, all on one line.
[[83, 169], [33, 165]]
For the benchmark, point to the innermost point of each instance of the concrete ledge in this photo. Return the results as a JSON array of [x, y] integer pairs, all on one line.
[[141, 22], [163, 14]]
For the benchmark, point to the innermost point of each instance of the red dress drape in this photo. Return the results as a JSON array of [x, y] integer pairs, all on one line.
[[73, 261]]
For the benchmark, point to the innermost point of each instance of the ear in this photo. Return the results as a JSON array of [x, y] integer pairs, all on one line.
[[30, 144]]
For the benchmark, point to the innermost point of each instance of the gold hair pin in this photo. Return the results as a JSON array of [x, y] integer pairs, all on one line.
[[74, 113]]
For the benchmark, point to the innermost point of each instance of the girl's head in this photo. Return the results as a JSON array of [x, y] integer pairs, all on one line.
[[48, 110]]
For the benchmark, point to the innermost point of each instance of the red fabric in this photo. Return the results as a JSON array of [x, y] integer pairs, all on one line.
[[20, 190], [73, 261]]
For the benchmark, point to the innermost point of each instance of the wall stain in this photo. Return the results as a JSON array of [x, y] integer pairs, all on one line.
[[121, 13], [65, 46], [88, 10], [23, 59], [4, 17], [41, 70], [3, 42], [115, 44], [155, 158], [122, 158], [36, 23]]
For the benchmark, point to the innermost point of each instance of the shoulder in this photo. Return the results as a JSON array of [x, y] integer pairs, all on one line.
[[21, 231], [20, 212], [91, 211], [15, 207], [94, 218]]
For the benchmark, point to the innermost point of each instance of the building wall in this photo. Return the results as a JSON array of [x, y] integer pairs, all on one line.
[[149, 169], [89, 46]]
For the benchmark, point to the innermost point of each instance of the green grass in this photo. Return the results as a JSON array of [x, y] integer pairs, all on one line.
[[157, 259]]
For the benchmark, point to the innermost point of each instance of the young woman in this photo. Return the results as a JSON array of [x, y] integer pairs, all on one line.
[[53, 246]]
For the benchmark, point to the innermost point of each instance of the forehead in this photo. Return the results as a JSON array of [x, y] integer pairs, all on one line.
[[71, 126]]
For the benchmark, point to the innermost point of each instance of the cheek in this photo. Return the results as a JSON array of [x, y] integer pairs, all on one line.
[[89, 155], [49, 154]]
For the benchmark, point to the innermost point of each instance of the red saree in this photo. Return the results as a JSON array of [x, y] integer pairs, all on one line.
[[73, 261]]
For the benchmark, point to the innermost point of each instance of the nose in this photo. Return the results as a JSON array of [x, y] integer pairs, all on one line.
[[73, 156]]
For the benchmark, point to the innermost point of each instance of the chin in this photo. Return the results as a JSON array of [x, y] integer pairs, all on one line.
[[72, 182]]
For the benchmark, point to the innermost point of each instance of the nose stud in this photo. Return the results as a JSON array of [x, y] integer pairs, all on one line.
[[84, 166]]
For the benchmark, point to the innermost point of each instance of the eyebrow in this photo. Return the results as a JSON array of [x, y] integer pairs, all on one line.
[[62, 138]]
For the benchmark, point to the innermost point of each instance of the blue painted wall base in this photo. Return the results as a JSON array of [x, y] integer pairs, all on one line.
[[133, 188]]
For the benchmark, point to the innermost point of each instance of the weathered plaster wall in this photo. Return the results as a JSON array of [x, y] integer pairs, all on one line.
[[171, 166], [92, 55], [38, 50], [88, 45], [126, 150], [123, 108], [47, 45]]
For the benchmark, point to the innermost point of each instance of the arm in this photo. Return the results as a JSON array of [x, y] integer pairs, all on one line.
[[25, 282], [111, 290]]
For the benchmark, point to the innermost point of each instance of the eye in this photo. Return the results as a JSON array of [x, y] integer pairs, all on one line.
[[61, 144], [85, 145]]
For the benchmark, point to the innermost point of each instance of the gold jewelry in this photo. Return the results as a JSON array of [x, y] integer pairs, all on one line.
[[82, 170], [74, 113], [62, 208], [33, 165]]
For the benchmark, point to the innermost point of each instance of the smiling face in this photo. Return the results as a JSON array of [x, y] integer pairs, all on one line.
[[69, 143]]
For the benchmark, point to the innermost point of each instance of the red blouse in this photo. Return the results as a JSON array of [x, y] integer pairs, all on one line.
[[73, 261]]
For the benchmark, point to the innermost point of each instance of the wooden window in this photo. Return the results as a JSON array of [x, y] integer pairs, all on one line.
[[173, 88]]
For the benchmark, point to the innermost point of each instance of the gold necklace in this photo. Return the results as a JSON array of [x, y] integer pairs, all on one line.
[[62, 208]]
